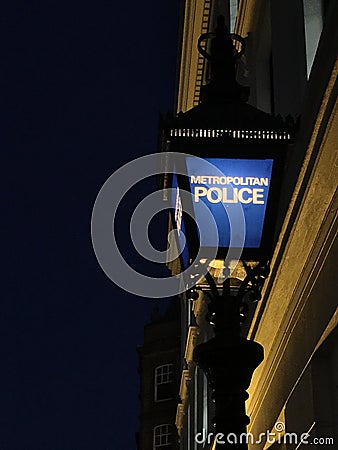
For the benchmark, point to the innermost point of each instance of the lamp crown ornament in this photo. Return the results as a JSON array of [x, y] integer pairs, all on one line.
[[225, 49]]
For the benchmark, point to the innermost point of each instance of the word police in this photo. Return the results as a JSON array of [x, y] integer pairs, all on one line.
[[230, 194], [217, 195]]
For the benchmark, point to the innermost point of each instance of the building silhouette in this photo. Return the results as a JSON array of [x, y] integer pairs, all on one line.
[[159, 370]]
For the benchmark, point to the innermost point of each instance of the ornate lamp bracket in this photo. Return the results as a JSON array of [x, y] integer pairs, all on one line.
[[228, 359]]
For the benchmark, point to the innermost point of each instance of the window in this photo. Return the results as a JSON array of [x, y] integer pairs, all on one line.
[[164, 382], [162, 436], [313, 23], [233, 14]]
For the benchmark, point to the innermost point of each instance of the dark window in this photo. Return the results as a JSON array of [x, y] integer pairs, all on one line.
[[164, 382], [162, 437]]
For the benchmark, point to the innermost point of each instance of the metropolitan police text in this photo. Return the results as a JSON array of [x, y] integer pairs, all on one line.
[[230, 195]]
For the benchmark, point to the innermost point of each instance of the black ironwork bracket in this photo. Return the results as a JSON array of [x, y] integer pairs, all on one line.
[[229, 360], [225, 306]]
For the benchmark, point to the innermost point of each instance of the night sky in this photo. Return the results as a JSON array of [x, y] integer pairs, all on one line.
[[82, 86]]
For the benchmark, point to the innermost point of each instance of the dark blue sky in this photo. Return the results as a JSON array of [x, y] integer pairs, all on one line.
[[82, 86]]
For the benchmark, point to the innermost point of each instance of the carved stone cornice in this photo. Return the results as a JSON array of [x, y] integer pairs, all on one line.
[[192, 340]]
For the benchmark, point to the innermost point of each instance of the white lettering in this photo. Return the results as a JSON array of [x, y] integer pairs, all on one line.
[[218, 193], [197, 439], [260, 438], [241, 195], [270, 434], [227, 199], [229, 440], [228, 195], [200, 192], [258, 194], [219, 438], [195, 180], [238, 181], [304, 438], [210, 438]]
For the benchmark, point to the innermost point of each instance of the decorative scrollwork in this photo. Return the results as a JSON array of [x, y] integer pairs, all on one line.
[[235, 37], [228, 309]]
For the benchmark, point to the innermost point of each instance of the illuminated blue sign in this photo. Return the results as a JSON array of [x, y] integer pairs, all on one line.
[[236, 192]]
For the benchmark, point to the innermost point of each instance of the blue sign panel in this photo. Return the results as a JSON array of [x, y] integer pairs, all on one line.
[[236, 192]]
